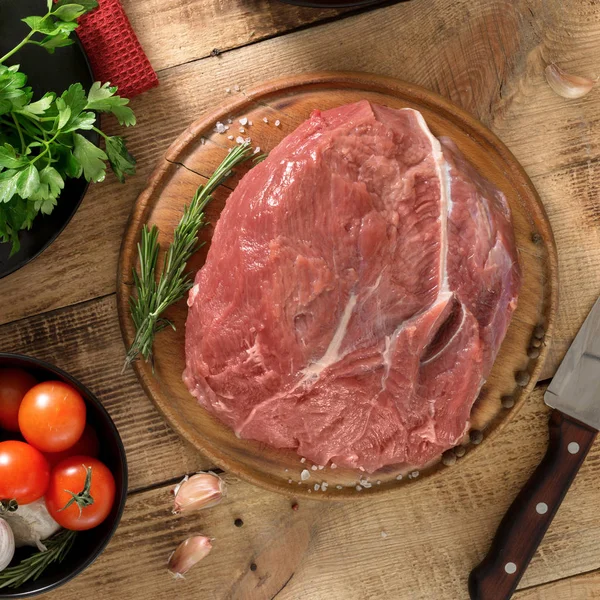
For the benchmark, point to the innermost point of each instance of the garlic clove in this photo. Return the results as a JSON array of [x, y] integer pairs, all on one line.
[[199, 491], [188, 553], [7, 544], [31, 524], [567, 85]]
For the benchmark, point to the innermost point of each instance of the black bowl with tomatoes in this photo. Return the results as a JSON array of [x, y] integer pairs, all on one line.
[[76, 468]]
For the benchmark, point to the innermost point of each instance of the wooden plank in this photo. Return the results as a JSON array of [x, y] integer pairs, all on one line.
[[436, 533], [581, 587], [85, 340], [180, 32], [486, 58]]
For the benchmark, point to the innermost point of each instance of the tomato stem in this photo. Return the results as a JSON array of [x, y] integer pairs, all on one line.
[[83, 498]]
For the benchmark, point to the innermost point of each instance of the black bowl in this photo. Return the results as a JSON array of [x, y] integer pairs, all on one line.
[[88, 544], [45, 72]]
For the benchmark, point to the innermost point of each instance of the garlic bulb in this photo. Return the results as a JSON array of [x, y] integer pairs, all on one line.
[[188, 553], [567, 85], [32, 523], [202, 490], [7, 544]]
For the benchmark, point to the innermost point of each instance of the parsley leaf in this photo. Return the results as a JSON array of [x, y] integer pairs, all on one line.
[[28, 181], [41, 106], [8, 184], [102, 98], [69, 12], [121, 162], [91, 158], [9, 158]]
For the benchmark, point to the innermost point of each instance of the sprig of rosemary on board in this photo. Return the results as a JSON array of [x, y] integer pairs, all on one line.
[[153, 295], [31, 568]]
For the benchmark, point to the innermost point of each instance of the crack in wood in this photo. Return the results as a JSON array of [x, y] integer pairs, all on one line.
[[282, 587]]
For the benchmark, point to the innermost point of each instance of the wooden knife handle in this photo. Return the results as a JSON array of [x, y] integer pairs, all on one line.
[[529, 516]]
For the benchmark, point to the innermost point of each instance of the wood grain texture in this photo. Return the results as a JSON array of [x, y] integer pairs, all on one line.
[[182, 31], [435, 534], [289, 102], [581, 587], [487, 57], [85, 341]]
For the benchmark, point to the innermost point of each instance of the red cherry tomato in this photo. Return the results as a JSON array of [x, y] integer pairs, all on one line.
[[24, 472], [14, 384], [87, 445], [80, 512], [52, 416]]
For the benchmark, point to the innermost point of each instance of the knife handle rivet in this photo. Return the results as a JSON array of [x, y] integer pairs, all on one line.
[[541, 508], [573, 448], [510, 568]]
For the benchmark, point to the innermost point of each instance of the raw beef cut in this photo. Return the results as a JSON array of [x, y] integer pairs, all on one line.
[[358, 287]]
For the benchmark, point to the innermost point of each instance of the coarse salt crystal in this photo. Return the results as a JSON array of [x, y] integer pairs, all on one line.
[[317, 487], [399, 477], [243, 121], [229, 137], [309, 491], [220, 128], [242, 130], [202, 141], [303, 460], [230, 120], [314, 467], [286, 470], [239, 139], [333, 466], [378, 481], [289, 481], [362, 469], [321, 467], [338, 487], [228, 90], [248, 140], [250, 123], [236, 88], [384, 534], [324, 486], [304, 475], [265, 119], [358, 488], [415, 473], [257, 150], [277, 123]]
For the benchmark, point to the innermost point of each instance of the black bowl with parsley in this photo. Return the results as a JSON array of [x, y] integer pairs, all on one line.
[[49, 125], [87, 545]]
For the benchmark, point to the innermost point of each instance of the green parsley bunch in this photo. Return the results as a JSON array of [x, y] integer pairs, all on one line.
[[41, 145]]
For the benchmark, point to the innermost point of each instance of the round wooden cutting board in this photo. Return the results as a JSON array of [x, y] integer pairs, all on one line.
[[285, 104]]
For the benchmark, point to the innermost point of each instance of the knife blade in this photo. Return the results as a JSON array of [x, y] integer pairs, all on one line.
[[575, 389], [574, 394]]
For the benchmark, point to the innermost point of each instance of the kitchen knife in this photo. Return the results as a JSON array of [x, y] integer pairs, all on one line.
[[574, 394]]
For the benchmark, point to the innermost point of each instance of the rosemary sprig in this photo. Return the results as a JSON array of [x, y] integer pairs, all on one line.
[[57, 546], [154, 296]]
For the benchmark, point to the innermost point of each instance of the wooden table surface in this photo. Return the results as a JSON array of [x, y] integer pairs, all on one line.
[[487, 56]]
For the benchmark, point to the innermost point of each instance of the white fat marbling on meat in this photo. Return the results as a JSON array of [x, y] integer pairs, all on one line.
[[192, 295], [332, 354]]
